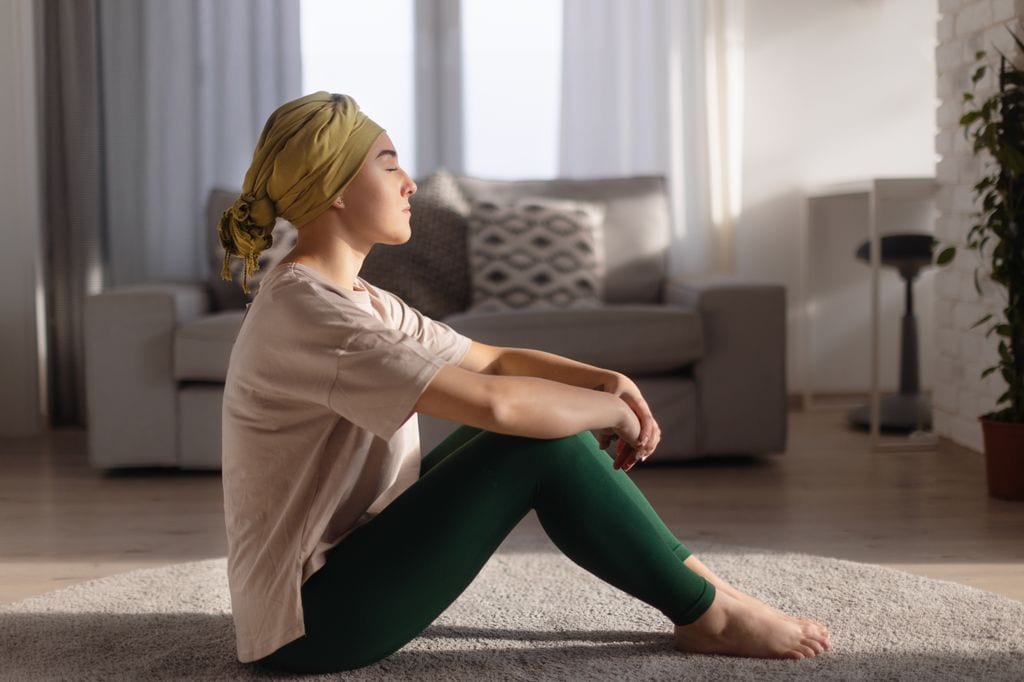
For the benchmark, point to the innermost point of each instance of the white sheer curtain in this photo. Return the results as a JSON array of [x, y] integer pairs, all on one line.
[[649, 87], [187, 87], [145, 105]]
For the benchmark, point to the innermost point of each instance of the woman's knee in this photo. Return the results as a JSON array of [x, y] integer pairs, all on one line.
[[577, 445]]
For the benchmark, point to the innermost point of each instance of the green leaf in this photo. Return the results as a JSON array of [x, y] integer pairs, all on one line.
[[989, 371], [989, 201], [1003, 330], [1004, 353], [1014, 160], [979, 74], [946, 256], [982, 320], [969, 118]]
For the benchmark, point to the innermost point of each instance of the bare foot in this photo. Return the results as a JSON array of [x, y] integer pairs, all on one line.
[[735, 627], [820, 629], [698, 566]]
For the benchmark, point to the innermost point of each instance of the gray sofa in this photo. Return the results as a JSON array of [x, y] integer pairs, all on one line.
[[707, 352]]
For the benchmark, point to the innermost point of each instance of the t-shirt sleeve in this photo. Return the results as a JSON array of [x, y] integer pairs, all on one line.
[[438, 337], [381, 372], [347, 360]]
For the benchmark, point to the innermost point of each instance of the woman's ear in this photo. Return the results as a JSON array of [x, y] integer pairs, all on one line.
[[339, 202]]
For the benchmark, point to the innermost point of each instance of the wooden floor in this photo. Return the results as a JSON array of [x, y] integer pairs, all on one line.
[[923, 512]]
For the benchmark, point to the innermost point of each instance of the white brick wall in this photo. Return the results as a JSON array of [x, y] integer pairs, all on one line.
[[960, 395]]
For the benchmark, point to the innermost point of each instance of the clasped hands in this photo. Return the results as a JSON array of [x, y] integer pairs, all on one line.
[[649, 433]]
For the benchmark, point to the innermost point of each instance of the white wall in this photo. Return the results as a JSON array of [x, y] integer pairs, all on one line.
[[834, 91], [20, 285], [961, 396]]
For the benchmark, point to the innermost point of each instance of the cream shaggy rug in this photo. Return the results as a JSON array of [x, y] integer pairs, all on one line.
[[532, 614]]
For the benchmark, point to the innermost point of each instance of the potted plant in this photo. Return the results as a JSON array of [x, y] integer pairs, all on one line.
[[1000, 132]]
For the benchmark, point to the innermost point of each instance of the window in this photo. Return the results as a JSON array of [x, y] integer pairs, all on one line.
[[365, 50], [511, 77]]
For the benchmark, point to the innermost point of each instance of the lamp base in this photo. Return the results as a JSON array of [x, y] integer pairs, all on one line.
[[897, 412]]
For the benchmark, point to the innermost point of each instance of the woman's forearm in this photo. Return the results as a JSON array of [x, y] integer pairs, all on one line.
[[542, 408], [530, 362]]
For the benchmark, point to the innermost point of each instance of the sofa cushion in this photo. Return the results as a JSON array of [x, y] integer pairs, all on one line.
[[535, 253], [230, 295], [637, 225], [202, 347], [430, 272], [635, 339]]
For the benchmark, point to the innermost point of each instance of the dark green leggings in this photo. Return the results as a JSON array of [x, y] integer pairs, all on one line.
[[391, 577]]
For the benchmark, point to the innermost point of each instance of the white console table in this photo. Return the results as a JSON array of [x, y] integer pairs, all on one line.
[[889, 204]]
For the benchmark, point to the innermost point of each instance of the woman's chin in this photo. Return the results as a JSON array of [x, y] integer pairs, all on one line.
[[404, 235]]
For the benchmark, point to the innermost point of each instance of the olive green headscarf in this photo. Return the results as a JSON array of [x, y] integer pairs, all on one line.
[[309, 151]]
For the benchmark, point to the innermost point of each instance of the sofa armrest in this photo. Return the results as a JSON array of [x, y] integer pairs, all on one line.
[[131, 393], [741, 379]]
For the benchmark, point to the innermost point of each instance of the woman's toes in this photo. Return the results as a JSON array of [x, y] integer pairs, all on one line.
[[807, 651], [814, 644]]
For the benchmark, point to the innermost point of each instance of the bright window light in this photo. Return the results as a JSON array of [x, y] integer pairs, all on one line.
[[512, 63], [365, 50]]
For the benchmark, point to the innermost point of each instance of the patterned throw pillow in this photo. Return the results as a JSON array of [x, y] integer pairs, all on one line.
[[430, 272], [230, 295], [536, 253]]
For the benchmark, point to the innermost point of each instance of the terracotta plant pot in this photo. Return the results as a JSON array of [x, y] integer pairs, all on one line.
[[1004, 458]]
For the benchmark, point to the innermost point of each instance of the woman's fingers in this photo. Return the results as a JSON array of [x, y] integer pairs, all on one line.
[[628, 456], [635, 457], [625, 454], [619, 458]]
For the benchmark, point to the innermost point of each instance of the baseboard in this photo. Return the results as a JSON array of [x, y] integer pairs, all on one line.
[[795, 401]]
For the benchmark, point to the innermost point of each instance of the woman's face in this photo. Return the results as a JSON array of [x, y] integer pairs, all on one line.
[[377, 199]]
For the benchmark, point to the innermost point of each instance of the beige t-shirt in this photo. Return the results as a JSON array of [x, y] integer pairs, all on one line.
[[317, 437]]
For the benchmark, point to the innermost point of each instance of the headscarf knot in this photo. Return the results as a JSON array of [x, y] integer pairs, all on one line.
[[241, 207], [245, 233]]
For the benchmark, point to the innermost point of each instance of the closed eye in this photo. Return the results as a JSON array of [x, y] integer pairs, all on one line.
[[391, 169]]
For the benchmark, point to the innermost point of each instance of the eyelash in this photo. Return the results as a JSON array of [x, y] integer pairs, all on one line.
[[391, 169]]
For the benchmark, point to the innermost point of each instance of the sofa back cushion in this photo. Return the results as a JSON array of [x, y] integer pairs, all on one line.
[[430, 272], [637, 225], [536, 253]]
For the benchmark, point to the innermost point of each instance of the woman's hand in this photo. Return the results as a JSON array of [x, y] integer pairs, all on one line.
[[629, 452]]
